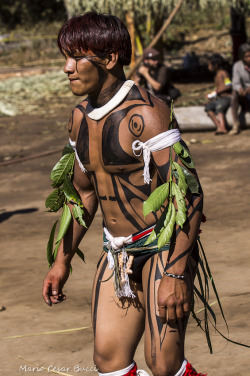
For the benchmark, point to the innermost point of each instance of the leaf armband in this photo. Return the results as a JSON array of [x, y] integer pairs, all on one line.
[[61, 176], [166, 193]]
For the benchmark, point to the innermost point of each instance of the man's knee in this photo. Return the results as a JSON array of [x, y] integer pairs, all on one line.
[[110, 360], [166, 368]]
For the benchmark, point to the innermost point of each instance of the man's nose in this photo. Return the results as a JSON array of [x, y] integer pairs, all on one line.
[[69, 66]]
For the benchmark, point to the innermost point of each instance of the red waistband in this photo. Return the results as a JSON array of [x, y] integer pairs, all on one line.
[[142, 234]]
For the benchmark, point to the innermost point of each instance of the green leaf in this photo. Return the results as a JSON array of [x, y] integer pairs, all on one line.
[[62, 169], [68, 150], [70, 192], [179, 198], [156, 199], [151, 238], [168, 231], [181, 178], [55, 250], [50, 245], [55, 200], [183, 154], [181, 150], [192, 182], [81, 255], [168, 216], [65, 222], [78, 215], [187, 162]]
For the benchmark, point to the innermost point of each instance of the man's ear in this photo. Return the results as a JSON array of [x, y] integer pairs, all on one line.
[[112, 60]]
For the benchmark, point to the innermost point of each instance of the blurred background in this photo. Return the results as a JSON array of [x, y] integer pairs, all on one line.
[[29, 53]]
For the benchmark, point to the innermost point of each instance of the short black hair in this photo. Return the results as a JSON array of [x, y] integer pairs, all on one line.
[[100, 33], [216, 60]]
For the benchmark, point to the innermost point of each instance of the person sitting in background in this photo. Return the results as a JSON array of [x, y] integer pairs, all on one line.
[[241, 86], [155, 77], [220, 98]]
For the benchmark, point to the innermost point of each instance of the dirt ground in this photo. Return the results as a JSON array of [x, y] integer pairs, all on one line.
[[223, 166]]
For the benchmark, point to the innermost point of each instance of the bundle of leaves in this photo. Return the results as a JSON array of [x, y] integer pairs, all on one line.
[[184, 180], [64, 193]]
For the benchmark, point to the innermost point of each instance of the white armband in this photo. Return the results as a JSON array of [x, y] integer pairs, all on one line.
[[159, 142], [73, 144]]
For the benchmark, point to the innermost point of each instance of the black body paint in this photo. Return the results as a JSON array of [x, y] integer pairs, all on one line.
[[82, 145], [136, 125]]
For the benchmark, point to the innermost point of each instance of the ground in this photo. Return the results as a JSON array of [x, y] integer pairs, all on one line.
[[222, 164]]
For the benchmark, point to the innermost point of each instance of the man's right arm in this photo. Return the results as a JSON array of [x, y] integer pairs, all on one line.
[[58, 274], [236, 81]]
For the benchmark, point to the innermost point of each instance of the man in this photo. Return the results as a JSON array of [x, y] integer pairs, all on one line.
[[220, 98], [109, 171], [241, 86], [155, 77]]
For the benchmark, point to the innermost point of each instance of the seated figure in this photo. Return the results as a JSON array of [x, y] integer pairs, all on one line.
[[241, 86]]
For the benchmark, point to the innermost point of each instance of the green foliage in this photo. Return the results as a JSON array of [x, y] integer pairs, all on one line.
[[156, 199], [55, 200], [64, 194], [64, 222], [78, 215], [62, 169]]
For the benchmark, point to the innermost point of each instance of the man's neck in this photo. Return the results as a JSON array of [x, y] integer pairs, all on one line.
[[104, 96]]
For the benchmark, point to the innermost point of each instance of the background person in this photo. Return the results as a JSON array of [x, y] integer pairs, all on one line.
[[241, 86], [220, 98], [156, 77]]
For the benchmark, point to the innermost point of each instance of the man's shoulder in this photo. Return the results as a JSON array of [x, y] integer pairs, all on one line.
[[238, 66], [154, 112], [76, 118]]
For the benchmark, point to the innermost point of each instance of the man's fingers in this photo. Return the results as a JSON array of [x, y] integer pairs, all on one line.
[[162, 314], [179, 312], [171, 314], [46, 293], [185, 309]]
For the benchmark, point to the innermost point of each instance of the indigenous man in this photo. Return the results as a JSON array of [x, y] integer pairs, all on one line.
[[241, 86], [108, 171]]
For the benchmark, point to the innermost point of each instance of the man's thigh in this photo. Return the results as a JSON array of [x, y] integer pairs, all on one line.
[[164, 344], [118, 323]]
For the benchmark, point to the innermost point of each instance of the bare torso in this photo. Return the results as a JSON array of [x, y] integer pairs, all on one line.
[[115, 172]]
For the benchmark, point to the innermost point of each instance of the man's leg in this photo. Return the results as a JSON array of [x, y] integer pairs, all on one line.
[[234, 108], [118, 323], [164, 344], [214, 118]]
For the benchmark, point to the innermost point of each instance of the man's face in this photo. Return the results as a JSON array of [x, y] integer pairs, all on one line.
[[246, 58], [152, 62], [85, 71]]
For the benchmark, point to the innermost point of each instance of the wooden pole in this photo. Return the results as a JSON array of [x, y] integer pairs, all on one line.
[[157, 37], [131, 29]]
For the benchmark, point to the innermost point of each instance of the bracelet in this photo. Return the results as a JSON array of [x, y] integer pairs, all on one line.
[[171, 275]]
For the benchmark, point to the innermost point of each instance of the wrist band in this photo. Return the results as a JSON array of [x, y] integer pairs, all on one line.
[[171, 275]]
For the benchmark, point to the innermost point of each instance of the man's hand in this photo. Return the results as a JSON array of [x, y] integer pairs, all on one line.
[[242, 92], [53, 284], [143, 70], [173, 299]]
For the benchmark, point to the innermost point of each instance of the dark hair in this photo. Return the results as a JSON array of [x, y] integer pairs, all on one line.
[[216, 60], [245, 47], [100, 33]]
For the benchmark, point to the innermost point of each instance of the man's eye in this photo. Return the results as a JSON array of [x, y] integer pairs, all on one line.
[[77, 58]]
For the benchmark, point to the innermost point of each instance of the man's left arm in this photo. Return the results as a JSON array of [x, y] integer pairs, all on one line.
[[174, 293]]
